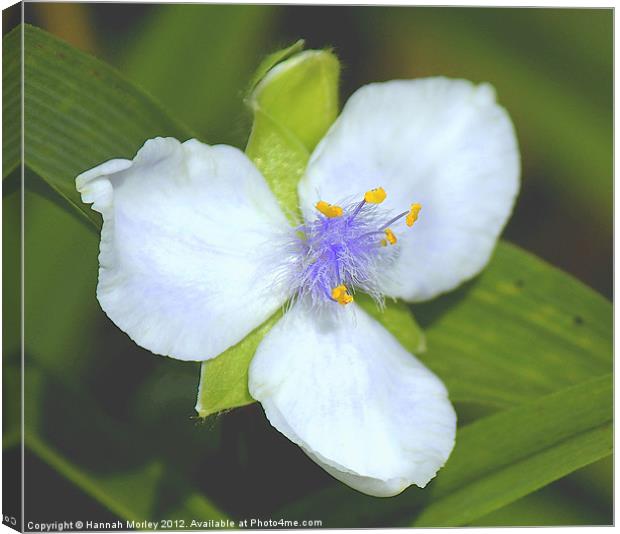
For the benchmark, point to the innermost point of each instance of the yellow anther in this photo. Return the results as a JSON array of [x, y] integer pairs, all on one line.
[[341, 295], [412, 216], [328, 209], [383, 243], [375, 196], [390, 236]]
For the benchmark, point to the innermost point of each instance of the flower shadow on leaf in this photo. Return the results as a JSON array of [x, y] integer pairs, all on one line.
[[428, 313]]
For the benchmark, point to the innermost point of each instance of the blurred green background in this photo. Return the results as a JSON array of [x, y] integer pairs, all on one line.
[[125, 417]]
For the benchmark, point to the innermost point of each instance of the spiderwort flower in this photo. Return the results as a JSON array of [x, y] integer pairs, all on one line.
[[196, 253]]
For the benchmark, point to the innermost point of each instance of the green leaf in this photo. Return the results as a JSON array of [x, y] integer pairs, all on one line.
[[557, 504], [501, 458], [11, 399], [520, 330], [58, 241], [294, 104], [195, 59], [134, 492], [11, 102], [80, 112], [11, 267]]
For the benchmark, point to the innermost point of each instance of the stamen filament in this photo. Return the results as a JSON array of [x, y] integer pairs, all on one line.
[[374, 196], [357, 209], [393, 220]]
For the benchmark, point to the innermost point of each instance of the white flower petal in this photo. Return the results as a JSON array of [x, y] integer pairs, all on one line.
[[342, 388], [185, 227], [443, 143]]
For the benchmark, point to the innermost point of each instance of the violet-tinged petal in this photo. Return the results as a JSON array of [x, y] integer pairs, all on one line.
[[184, 229], [343, 388], [443, 143]]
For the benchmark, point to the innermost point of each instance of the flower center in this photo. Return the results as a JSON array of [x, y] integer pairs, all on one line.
[[345, 249]]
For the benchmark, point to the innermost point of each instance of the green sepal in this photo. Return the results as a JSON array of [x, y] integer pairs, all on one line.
[[293, 104], [224, 380], [272, 60]]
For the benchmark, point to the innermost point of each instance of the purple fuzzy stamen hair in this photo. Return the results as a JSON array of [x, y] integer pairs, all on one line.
[[345, 250]]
